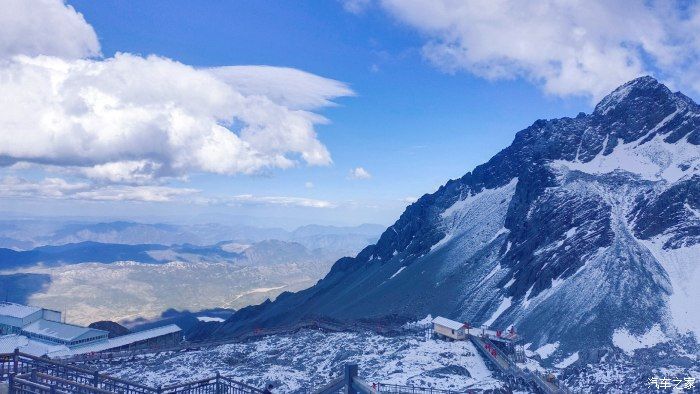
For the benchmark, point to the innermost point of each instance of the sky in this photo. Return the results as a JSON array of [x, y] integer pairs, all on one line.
[[296, 112]]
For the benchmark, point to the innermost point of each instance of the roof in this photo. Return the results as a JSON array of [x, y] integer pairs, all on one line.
[[123, 340], [63, 331], [17, 310], [451, 324], [8, 344]]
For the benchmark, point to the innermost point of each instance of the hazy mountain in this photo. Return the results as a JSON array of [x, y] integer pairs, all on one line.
[[28, 234], [76, 253], [122, 282], [19, 287], [114, 329]]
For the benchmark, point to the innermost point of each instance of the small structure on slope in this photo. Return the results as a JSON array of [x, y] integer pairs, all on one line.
[[447, 328]]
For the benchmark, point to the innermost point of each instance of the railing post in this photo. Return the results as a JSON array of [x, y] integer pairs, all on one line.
[[11, 383], [349, 374], [218, 384], [96, 379], [15, 360]]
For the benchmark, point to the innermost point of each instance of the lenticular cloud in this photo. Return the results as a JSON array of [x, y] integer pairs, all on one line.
[[134, 119]]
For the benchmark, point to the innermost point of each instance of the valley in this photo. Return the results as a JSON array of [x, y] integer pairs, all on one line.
[[122, 282]]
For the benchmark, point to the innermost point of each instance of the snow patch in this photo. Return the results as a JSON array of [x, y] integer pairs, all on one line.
[[655, 160], [210, 319], [567, 361], [503, 230], [547, 350], [691, 210], [397, 272], [482, 214], [510, 283], [683, 268], [505, 304], [526, 299], [624, 340], [419, 323]]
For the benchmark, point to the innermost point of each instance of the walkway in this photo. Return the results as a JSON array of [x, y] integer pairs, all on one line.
[[510, 368]]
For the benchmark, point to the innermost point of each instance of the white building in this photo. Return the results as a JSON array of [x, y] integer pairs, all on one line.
[[63, 334], [449, 328], [14, 317], [40, 332]]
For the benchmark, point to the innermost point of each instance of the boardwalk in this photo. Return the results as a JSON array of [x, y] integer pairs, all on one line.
[[509, 368]]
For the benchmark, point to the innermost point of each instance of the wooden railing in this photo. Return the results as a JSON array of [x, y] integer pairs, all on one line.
[[349, 382], [35, 375], [217, 384], [28, 374], [400, 389]]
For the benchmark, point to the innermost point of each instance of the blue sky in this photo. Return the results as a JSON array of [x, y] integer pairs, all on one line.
[[413, 122]]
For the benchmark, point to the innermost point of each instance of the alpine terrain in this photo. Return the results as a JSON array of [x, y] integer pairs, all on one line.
[[583, 233]]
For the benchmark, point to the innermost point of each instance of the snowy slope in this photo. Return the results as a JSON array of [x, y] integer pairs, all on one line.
[[581, 229], [305, 360]]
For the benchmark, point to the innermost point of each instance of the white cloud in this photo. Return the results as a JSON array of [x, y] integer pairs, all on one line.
[[309, 185], [409, 200], [568, 47], [130, 118], [45, 27], [356, 6], [280, 200], [289, 87], [135, 193], [138, 120], [359, 173], [58, 188]]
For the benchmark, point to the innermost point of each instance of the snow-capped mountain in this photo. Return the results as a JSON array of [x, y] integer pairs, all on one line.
[[584, 232]]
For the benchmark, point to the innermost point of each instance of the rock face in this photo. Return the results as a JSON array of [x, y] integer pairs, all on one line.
[[114, 329], [581, 228]]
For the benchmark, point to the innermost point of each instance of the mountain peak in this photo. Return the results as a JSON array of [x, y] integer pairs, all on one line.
[[643, 81], [643, 87]]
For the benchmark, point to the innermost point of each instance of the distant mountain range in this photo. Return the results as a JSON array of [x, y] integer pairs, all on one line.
[[29, 234], [584, 233], [77, 253], [124, 281]]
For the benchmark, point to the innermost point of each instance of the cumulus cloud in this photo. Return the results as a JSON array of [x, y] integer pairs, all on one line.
[[130, 118], [567, 47], [309, 185], [359, 173], [45, 27], [58, 188], [136, 120]]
